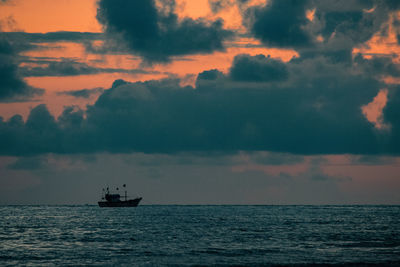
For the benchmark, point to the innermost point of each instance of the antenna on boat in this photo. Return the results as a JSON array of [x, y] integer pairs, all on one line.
[[124, 185]]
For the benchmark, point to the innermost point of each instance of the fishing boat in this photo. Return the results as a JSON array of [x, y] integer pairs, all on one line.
[[109, 200]]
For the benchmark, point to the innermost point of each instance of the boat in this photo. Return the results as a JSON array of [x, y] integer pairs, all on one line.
[[109, 200]]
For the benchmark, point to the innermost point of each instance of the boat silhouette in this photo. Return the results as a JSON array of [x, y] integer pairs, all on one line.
[[114, 200]]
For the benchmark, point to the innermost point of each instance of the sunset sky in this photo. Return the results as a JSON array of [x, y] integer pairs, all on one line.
[[200, 101]]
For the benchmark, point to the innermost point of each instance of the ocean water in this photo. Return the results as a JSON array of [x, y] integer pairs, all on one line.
[[199, 235]]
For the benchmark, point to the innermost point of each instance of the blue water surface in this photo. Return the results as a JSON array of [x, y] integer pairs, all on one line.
[[199, 235]]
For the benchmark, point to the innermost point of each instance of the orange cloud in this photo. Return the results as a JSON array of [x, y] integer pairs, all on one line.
[[382, 44], [373, 112]]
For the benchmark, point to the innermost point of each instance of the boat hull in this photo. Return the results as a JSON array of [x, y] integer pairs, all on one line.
[[116, 204]]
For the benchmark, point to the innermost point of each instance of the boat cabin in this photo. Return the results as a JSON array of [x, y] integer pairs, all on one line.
[[113, 197]]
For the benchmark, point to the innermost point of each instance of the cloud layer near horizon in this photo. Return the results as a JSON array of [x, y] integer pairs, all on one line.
[[311, 106]]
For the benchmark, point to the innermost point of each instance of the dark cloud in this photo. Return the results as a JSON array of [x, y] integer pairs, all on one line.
[[218, 5], [396, 26], [346, 24], [391, 114], [309, 105], [345, 27], [258, 69], [214, 158], [83, 93], [372, 160], [210, 75], [316, 109], [156, 34], [12, 86], [342, 25], [50, 37], [207, 80], [378, 65], [280, 23], [268, 158], [65, 67], [68, 67], [23, 41], [30, 137], [41, 126]]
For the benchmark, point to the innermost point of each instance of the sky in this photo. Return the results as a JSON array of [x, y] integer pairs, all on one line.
[[200, 102]]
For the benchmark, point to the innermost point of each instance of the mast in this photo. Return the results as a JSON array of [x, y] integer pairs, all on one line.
[[124, 185]]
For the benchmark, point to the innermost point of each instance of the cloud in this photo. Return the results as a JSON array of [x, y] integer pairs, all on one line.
[[372, 160], [41, 126], [349, 19], [23, 41], [67, 67], [155, 33], [337, 27], [258, 69], [28, 163], [391, 114], [50, 37], [218, 5], [315, 109], [383, 66], [164, 179], [280, 23], [312, 104], [268, 158], [84, 93], [12, 86]]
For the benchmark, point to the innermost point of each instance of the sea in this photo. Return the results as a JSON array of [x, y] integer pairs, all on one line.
[[180, 235]]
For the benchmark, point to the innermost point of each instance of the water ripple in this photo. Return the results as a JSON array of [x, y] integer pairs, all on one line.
[[199, 235]]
